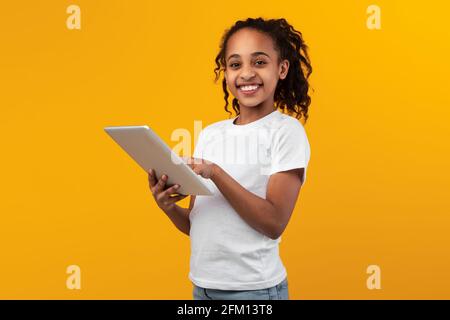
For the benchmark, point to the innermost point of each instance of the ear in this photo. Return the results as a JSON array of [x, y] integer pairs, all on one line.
[[284, 68]]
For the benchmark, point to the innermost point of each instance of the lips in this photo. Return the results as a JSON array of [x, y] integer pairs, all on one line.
[[249, 89], [249, 84]]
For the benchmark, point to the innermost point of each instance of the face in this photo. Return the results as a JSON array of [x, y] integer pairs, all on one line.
[[252, 69]]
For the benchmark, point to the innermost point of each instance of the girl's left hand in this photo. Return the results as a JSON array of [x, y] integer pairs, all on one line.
[[202, 167]]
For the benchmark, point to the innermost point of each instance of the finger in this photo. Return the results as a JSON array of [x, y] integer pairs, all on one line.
[[151, 177], [154, 182], [171, 190], [176, 198], [159, 187]]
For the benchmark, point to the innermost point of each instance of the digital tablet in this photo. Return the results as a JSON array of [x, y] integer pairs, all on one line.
[[151, 152]]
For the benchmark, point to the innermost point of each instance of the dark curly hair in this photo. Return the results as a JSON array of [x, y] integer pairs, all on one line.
[[291, 93]]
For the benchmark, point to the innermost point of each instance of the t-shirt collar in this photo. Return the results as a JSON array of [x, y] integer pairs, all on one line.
[[254, 123]]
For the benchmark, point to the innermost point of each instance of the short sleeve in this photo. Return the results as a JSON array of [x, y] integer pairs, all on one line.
[[290, 149]]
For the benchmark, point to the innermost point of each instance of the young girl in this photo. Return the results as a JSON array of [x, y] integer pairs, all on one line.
[[256, 162]]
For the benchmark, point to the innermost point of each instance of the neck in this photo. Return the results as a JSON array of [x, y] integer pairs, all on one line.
[[250, 114]]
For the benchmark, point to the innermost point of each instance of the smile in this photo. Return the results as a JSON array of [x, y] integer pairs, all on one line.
[[249, 89]]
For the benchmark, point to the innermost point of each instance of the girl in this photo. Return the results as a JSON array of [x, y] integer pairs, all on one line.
[[256, 162]]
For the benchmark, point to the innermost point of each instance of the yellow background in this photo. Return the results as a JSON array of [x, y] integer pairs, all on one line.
[[378, 181]]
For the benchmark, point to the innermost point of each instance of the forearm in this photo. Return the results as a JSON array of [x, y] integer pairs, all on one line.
[[180, 218], [259, 213]]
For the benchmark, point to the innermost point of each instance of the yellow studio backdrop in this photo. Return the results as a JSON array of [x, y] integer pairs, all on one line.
[[378, 182]]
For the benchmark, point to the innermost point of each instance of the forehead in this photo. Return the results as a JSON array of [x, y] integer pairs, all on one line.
[[246, 41]]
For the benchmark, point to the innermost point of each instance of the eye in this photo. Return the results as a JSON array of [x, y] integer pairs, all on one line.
[[233, 64], [263, 62]]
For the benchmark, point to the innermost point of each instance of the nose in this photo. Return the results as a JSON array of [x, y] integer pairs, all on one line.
[[247, 73]]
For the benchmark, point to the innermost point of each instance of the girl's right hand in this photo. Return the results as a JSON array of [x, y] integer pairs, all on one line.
[[162, 196]]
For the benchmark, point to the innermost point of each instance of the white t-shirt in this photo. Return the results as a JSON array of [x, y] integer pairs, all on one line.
[[226, 252]]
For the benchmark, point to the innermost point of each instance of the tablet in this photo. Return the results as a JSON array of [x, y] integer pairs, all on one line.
[[151, 152]]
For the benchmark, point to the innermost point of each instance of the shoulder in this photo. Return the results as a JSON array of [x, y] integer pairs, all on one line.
[[285, 125]]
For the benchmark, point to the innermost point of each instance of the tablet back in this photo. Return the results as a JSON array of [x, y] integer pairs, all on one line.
[[151, 152]]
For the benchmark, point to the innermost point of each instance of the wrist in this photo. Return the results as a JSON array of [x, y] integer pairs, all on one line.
[[215, 171]]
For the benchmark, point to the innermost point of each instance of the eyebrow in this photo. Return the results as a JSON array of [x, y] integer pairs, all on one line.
[[254, 54]]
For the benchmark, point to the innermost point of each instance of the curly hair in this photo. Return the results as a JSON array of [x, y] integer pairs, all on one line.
[[291, 93]]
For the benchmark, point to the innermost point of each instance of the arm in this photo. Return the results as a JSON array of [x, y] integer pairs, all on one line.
[[268, 216], [180, 216]]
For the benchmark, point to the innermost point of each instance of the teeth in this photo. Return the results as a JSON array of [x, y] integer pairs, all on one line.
[[249, 88]]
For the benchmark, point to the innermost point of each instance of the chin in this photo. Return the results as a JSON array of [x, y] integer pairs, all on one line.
[[250, 104]]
